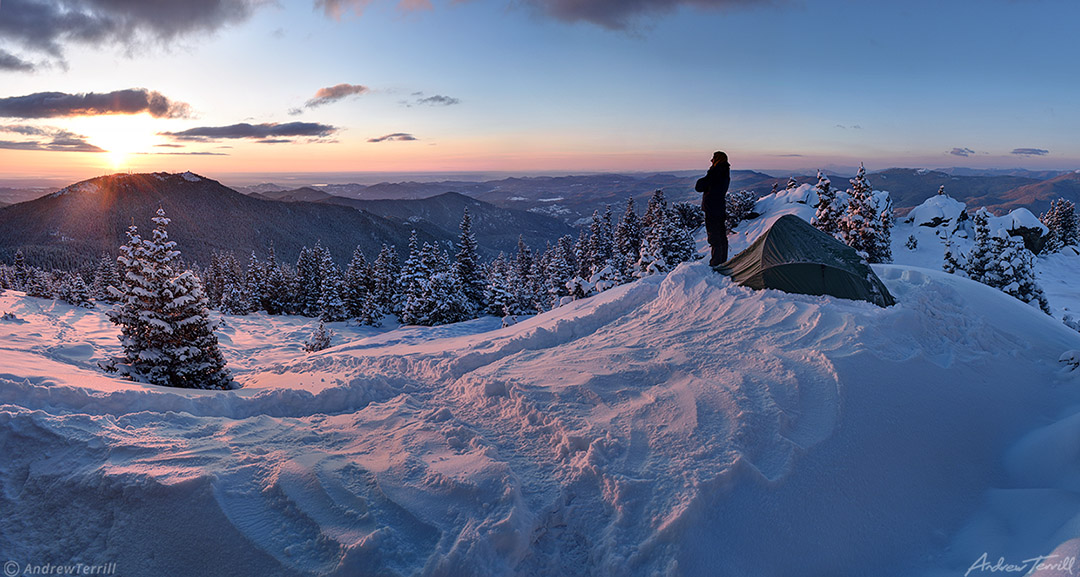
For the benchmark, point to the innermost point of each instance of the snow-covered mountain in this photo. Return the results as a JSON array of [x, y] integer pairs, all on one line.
[[677, 425]]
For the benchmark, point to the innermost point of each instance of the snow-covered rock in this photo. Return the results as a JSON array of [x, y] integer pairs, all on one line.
[[191, 177], [938, 210]]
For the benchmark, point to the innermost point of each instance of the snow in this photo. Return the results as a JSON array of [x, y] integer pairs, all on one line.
[[1015, 220], [937, 210], [85, 187], [677, 425], [191, 177]]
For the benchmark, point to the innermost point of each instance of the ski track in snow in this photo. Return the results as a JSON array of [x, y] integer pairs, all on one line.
[[676, 425]]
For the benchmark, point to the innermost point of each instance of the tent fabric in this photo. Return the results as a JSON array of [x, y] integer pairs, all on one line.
[[793, 256]]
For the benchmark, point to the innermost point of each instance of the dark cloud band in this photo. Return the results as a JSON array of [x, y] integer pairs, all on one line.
[[260, 132], [965, 152], [396, 136], [1030, 152], [60, 104], [45, 138]]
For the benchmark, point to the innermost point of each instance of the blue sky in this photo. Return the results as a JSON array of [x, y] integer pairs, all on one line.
[[549, 85]]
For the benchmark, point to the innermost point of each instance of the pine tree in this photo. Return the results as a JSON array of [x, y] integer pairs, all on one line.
[[321, 339], [951, 264], [105, 275], [386, 284], [829, 208], [467, 272], [413, 278], [331, 305], [740, 207], [792, 184], [255, 283], [72, 289], [1061, 221], [627, 239], [864, 226], [522, 282], [166, 332], [980, 258], [277, 294], [497, 291], [599, 251], [308, 282], [23, 274], [1015, 273], [358, 285], [234, 299]]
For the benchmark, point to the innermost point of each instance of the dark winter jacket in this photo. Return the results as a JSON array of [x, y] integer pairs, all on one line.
[[714, 186]]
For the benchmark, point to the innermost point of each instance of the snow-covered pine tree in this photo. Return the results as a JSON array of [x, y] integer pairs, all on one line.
[[497, 291], [689, 215], [1060, 218], [864, 226], [581, 255], [792, 184], [467, 271], [522, 282], [740, 206], [829, 208], [386, 285], [443, 301], [559, 268], [234, 299], [952, 264], [981, 257], [105, 275], [278, 295], [357, 283], [599, 251], [941, 190], [627, 238], [72, 289], [166, 332], [331, 305], [255, 283], [42, 284], [653, 237], [1015, 272], [413, 278], [320, 339], [308, 283], [23, 274]]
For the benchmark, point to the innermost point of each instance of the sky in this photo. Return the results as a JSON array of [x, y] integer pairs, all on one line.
[[263, 87]]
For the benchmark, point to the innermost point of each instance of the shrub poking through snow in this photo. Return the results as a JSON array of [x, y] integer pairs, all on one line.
[[320, 339]]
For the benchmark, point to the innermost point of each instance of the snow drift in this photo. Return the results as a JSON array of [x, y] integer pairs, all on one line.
[[678, 425]]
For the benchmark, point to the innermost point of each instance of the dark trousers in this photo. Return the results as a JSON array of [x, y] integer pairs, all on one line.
[[716, 228]]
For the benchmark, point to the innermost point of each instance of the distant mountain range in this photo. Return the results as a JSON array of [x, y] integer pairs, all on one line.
[[75, 225]]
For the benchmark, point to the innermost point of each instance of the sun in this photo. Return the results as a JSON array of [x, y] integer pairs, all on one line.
[[122, 138]]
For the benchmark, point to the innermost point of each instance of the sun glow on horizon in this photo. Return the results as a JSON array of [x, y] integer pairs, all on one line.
[[121, 137]]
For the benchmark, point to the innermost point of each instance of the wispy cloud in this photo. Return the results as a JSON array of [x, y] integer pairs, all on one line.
[[623, 14], [965, 152], [264, 133], [331, 94], [47, 26], [396, 136], [60, 104], [338, 8], [1030, 152], [46, 138], [435, 100]]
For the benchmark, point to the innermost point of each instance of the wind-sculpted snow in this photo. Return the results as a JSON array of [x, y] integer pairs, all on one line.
[[678, 425]]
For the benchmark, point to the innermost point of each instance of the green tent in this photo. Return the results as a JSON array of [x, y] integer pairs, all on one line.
[[795, 257]]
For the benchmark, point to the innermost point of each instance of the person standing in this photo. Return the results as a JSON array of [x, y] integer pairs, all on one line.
[[713, 188]]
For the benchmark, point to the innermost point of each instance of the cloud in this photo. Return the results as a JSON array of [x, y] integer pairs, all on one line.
[[397, 136], [623, 14], [332, 94], [258, 132], [436, 100], [337, 8], [48, 139], [47, 26], [199, 153], [60, 104], [965, 152], [12, 63], [1030, 152]]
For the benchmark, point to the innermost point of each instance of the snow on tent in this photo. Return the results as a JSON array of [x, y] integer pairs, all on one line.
[[794, 257]]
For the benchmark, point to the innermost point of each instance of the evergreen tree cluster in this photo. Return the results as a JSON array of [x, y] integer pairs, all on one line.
[[1060, 218], [740, 206], [855, 217], [1003, 263], [68, 286]]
